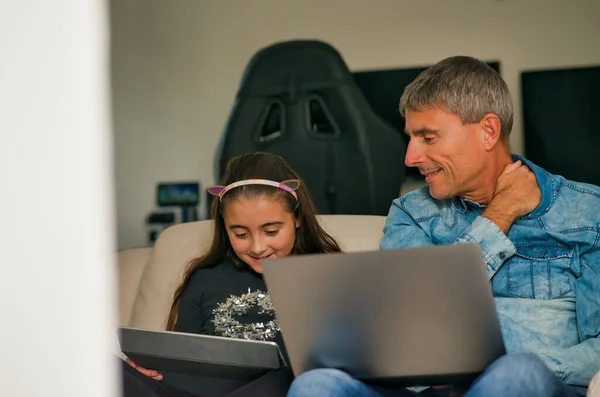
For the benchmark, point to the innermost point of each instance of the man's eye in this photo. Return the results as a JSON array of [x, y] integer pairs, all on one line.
[[428, 140]]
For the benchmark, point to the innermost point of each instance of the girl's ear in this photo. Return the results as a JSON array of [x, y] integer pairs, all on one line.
[[297, 223]]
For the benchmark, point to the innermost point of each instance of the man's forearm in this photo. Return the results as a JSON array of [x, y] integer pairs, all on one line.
[[502, 215], [495, 245]]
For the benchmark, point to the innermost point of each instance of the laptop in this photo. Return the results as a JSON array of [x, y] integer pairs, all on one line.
[[418, 316]]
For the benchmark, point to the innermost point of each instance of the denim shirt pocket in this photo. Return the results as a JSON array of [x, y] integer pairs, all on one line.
[[540, 271]]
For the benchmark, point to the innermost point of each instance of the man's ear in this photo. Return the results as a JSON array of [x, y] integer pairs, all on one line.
[[490, 128]]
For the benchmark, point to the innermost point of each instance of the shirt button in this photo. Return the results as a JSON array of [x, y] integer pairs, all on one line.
[[502, 255]]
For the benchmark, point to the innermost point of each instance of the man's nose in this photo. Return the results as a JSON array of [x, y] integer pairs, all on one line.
[[414, 154]]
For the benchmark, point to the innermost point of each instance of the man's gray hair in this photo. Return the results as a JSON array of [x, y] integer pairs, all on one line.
[[465, 86]]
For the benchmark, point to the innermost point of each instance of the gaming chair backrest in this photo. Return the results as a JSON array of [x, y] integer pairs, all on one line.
[[298, 100]]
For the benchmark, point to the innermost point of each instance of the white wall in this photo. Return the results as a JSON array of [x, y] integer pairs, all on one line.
[[177, 65], [57, 295]]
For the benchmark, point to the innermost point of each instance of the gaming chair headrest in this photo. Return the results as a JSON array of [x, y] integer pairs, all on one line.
[[293, 65]]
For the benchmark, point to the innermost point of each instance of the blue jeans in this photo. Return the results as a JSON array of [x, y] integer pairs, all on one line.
[[514, 375]]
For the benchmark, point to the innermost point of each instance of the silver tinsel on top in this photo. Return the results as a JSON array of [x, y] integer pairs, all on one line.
[[227, 325]]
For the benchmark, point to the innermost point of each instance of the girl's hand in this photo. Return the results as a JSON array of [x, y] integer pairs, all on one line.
[[148, 372]]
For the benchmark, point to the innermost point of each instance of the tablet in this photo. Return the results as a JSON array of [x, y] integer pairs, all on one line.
[[195, 354]]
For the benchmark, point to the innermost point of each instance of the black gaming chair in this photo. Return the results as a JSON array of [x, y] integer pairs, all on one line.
[[298, 100]]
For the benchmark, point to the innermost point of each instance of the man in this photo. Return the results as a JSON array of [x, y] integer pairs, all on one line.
[[539, 233]]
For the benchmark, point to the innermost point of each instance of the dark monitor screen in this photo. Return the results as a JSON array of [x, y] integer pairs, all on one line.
[[383, 89], [178, 194], [560, 128]]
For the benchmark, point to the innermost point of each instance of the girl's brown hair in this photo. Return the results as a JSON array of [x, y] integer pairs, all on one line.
[[310, 236]]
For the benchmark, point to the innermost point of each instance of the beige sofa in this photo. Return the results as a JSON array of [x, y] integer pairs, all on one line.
[[149, 276]]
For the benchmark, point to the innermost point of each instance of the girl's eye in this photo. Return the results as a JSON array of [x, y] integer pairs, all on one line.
[[271, 232], [241, 235]]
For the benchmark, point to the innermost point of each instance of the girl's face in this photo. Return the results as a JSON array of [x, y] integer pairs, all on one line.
[[260, 229]]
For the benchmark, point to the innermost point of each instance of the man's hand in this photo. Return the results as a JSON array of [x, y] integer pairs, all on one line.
[[148, 372], [517, 194], [518, 188]]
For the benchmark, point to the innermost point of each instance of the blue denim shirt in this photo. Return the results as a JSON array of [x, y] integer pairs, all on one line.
[[545, 274]]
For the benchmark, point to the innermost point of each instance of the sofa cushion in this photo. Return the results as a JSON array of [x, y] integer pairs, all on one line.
[[173, 250], [131, 264], [178, 244], [355, 233]]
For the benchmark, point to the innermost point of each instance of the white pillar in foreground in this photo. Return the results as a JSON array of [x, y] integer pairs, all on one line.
[[56, 200]]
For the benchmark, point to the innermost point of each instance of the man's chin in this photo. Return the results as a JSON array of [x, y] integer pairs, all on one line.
[[439, 194]]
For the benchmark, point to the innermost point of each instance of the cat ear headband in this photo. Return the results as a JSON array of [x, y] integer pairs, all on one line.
[[289, 186]]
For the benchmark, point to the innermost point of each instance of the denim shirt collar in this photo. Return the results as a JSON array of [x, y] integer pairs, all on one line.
[[546, 183]]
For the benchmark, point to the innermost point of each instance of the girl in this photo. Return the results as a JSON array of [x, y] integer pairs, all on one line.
[[262, 210]]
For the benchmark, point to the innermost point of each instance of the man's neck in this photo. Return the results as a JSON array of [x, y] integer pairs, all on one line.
[[486, 182]]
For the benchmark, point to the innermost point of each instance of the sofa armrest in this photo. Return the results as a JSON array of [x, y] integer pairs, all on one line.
[[131, 265], [594, 387]]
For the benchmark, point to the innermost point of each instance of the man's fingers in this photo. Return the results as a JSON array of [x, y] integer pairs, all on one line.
[[511, 167]]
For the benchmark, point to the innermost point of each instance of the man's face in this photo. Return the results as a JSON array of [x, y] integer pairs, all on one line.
[[449, 154]]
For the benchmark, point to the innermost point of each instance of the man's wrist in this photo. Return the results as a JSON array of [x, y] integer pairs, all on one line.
[[502, 214]]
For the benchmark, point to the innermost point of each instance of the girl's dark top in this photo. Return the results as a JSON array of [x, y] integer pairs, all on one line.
[[206, 289]]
